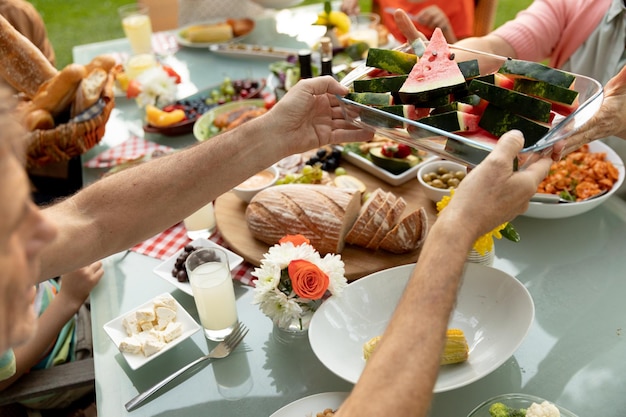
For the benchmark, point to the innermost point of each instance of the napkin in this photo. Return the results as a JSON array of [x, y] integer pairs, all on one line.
[[131, 149], [168, 242]]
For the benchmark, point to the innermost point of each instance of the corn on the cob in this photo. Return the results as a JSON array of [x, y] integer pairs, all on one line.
[[456, 348]]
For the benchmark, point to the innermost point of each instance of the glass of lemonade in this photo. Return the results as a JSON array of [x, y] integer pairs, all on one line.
[[201, 223], [213, 291], [363, 28], [137, 27]]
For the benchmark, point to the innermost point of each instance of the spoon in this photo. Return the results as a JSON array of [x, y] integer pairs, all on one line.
[[556, 199]]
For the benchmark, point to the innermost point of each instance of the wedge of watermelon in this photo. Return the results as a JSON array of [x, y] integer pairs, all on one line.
[[435, 74]]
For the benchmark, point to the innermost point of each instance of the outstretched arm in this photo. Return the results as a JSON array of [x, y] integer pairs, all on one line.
[[126, 208], [406, 360]]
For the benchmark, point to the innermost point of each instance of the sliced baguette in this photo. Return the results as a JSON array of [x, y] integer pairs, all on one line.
[[376, 221], [391, 219], [367, 211], [408, 235]]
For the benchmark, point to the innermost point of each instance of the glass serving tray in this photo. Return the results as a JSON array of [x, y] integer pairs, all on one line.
[[468, 149]]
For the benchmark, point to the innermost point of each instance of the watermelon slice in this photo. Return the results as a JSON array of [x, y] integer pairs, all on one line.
[[453, 121], [435, 74]]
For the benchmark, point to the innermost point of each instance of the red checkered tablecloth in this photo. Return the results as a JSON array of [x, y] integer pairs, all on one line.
[[129, 150], [168, 242]]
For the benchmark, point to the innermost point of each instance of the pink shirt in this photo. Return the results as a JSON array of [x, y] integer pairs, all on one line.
[[552, 28]]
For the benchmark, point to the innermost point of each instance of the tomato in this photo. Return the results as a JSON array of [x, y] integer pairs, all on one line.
[[133, 90], [269, 100], [170, 71]]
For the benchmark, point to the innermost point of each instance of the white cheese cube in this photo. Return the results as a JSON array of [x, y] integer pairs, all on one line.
[[145, 314], [130, 324], [146, 326], [164, 317], [165, 300], [130, 345], [172, 331], [151, 345]]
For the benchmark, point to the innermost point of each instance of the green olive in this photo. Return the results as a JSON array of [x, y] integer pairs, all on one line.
[[437, 183], [442, 170], [453, 182]]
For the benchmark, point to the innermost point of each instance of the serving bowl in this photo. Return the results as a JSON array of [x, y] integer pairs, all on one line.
[[203, 127], [259, 181], [435, 167], [468, 148], [563, 210], [494, 310], [515, 400]]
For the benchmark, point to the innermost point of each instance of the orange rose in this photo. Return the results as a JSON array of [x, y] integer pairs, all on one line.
[[297, 240], [307, 280]]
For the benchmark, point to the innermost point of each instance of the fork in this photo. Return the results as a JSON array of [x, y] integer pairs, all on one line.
[[223, 349]]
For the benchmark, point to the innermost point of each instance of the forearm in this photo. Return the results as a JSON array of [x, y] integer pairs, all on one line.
[[49, 325], [126, 208], [406, 361]]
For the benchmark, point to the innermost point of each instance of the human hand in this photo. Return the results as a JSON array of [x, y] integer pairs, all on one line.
[[433, 17], [350, 7], [406, 26], [76, 285], [609, 120], [309, 116], [493, 193]]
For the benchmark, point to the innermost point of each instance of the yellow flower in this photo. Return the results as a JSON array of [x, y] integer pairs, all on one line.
[[484, 243]]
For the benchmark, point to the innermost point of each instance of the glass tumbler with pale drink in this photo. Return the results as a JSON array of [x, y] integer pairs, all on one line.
[[213, 291], [201, 223], [363, 28], [137, 27]]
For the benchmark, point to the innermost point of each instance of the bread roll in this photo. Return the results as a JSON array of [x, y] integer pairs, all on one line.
[[22, 64], [89, 90], [57, 94], [106, 62], [38, 119], [219, 32], [321, 213]]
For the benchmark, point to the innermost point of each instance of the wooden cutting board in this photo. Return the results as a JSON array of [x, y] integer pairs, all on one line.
[[231, 222]]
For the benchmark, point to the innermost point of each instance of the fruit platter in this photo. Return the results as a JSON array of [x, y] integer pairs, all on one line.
[[456, 102], [178, 118]]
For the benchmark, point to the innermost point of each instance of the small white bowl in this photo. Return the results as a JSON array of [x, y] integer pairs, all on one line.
[[259, 181], [434, 193], [517, 401]]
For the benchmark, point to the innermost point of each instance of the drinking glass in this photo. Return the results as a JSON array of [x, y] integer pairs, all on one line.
[[213, 291], [363, 28], [201, 223], [137, 27]]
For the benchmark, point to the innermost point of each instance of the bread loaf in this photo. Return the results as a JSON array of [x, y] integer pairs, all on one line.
[[22, 64], [57, 94], [89, 90], [321, 213], [393, 214], [371, 206], [105, 62], [39, 119]]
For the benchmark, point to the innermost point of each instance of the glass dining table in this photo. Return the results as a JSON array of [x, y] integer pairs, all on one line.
[[574, 353]]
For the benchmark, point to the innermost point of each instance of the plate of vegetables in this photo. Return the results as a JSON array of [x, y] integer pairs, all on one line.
[[391, 161], [178, 118]]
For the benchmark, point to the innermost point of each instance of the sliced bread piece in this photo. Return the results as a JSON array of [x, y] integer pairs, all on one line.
[[408, 235]]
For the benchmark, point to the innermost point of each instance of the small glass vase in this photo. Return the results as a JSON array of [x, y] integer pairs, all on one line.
[[294, 331], [486, 259]]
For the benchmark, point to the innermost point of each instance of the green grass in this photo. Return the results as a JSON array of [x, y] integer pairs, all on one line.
[[76, 22]]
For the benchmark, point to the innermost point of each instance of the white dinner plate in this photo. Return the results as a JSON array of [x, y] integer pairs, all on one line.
[[115, 330], [494, 310], [311, 405], [184, 42], [164, 270]]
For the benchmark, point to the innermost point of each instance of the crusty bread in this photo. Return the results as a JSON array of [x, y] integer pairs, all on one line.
[[39, 119], [89, 90], [57, 94], [376, 221], [396, 208], [371, 206], [408, 235], [22, 64], [105, 61], [321, 213]]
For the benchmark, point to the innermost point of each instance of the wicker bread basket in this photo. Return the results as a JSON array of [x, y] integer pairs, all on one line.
[[77, 135]]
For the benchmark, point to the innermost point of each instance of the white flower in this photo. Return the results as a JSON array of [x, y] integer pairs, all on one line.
[[157, 88], [276, 298]]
